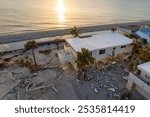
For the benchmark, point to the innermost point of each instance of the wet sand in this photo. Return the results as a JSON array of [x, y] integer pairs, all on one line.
[[53, 33]]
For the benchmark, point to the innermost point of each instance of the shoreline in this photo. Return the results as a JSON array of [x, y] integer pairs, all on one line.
[[4, 39]]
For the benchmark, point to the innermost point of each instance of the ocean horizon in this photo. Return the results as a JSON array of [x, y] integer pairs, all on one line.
[[18, 16]]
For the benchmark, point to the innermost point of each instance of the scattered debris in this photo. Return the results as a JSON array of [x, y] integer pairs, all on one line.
[[106, 79], [111, 89], [35, 74], [95, 89], [23, 84], [53, 87]]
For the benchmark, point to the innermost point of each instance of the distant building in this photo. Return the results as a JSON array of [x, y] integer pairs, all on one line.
[[144, 33], [124, 30], [101, 46], [128, 29], [141, 82]]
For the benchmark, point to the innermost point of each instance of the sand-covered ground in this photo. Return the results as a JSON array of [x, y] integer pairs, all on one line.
[[56, 82], [53, 81]]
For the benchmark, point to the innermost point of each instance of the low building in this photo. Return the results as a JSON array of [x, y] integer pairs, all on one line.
[[124, 30], [128, 29], [144, 33], [101, 46], [141, 82], [145, 71]]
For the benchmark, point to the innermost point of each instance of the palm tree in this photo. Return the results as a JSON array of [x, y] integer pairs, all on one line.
[[144, 53], [140, 54], [57, 41], [75, 32], [84, 58], [32, 45], [137, 47]]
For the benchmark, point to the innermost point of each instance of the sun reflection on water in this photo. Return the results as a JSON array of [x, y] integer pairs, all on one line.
[[61, 10]]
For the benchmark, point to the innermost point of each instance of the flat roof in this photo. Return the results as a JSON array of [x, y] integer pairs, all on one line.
[[99, 41], [145, 30], [145, 67]]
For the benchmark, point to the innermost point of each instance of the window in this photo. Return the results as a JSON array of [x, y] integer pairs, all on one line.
[[102, 51], [123, 46]]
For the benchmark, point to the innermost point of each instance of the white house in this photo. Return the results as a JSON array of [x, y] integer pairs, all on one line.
[[124, 30], [145, 71], [144, 33], [140, 83], [101, 46]]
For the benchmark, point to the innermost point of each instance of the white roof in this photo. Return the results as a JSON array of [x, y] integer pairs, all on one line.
[[145, 67], [139, 83], [99, 41]]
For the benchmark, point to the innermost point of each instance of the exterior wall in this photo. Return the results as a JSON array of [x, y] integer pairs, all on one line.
[[141, 91], [145, 77], [120, 50], [124, 31], [74, 66], [95, 54], [109, 51], [129, 85], [140, 86], [143, 35], [70, 50], [74, 52]]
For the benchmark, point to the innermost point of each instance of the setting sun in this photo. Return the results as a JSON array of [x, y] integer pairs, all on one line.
[[61, 10]]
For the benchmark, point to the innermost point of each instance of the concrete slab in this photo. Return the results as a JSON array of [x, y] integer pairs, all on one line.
[[6, 83]]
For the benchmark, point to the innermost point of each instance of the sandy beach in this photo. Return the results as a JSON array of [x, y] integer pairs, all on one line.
[[52, 33]]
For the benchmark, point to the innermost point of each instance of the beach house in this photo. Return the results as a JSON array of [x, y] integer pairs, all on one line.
[[144, 33], [130, 29], [101, 46], [145, 71], [141, 82]]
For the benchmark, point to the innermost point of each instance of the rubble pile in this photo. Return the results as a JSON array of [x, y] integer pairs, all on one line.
[[107, 79]]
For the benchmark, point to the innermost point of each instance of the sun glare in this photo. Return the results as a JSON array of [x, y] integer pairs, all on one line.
[[61, 10]]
